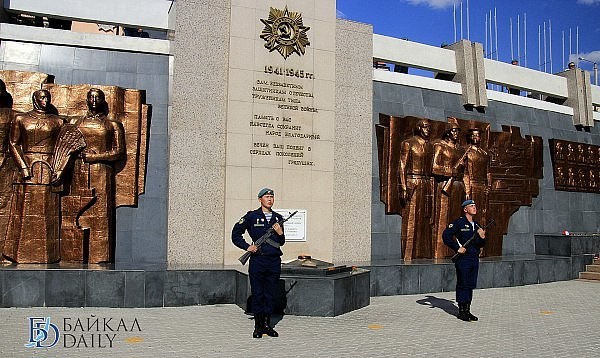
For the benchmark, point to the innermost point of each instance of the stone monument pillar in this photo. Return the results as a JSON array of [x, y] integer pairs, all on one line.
[[259, 101]]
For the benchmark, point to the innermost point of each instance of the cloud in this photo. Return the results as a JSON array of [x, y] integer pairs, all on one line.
[[339, 14], [593, 56], [442, 4], [588, 2]]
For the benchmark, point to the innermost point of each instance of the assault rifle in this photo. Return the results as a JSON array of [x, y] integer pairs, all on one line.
[[458, 255], [266, 237]]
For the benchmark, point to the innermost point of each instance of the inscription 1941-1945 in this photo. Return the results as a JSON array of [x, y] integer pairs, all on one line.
[[290, 72]]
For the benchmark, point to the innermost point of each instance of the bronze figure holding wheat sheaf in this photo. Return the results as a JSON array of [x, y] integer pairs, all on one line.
[[67, 164]]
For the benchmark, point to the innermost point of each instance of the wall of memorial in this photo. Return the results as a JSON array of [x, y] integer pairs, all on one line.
[[551, 212], [247, 111]]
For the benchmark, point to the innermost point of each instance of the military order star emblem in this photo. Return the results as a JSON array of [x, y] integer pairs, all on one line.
[[285, 32]]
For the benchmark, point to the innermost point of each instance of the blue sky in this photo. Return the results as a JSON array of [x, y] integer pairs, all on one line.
[[431, 22]]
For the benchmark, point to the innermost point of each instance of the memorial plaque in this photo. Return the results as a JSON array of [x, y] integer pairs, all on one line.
[[295, 227], [280, 120]]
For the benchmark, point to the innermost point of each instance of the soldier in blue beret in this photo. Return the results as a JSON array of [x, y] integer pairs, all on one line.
[[265, 263], [467, 266]]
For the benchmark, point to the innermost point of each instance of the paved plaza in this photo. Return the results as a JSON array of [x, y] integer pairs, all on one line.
[[558, 319]]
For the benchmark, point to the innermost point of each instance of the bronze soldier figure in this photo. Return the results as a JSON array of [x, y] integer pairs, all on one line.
[[449, 187], [416, 192], [477, 177]]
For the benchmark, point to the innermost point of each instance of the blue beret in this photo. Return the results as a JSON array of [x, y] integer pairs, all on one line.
[[265, 191], [467, 202]]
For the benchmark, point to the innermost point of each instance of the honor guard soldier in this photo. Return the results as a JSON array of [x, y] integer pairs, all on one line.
[[265, 263], [467, 265]]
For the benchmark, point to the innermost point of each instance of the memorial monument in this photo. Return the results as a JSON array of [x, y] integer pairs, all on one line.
[[288, 93], [284, 94]]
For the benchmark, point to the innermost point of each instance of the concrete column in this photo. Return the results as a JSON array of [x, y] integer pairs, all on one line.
[[479, 75], [470, 72], [220, 61], [353, 142], [197, 132], [580, 96]]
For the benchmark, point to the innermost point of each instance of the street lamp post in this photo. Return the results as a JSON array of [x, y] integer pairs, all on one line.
[[595, 69]]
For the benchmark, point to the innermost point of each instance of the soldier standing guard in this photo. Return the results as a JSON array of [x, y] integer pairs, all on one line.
[[265, 263], [467, 266]]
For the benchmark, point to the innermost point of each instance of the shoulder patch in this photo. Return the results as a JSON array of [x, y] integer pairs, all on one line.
[[449, 226], [241, 221]]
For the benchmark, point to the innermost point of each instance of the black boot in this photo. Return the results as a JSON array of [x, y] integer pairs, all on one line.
[[258, 325], [469, 314], [267, 326], [462, 312]]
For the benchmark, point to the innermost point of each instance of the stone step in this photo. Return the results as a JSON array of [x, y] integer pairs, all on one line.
[[590, 275], [592, 268]]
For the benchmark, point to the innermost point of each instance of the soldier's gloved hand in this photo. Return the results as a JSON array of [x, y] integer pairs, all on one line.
[[278, 229]]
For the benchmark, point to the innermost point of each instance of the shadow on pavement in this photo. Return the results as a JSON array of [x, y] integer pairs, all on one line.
[[442, 303]]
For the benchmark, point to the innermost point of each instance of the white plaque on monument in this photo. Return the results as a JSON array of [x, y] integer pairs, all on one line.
[[295, 227]]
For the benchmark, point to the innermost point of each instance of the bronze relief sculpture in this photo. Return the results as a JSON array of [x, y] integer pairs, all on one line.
[[68, 173], [575, 166], [457, 160], [416, 191], [93, 177], [6, 163], [448, 172], [33, 228]]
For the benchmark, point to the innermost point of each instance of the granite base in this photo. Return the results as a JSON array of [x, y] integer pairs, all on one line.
[[426, 276], [113, 286], [307, 295]]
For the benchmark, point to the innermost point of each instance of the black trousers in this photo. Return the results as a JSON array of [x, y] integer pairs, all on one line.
[[264, 272], [467, 269]]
